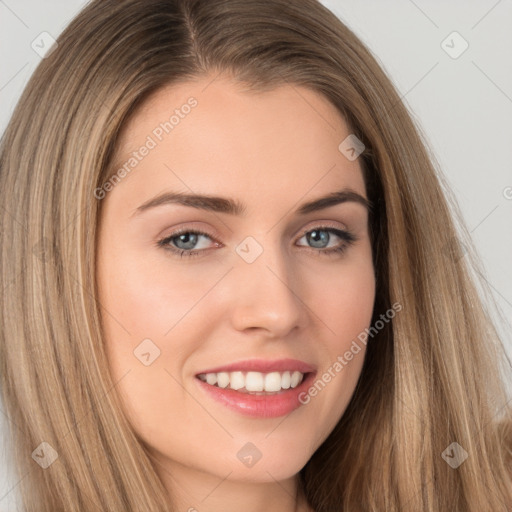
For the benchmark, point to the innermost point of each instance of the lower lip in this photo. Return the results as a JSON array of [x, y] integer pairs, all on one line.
[[259, 406]]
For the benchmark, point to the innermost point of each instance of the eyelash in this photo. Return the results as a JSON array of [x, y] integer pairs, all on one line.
[[346, 236]]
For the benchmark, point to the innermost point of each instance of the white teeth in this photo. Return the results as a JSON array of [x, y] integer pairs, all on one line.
[[254, 382], [237, 380], [223, 379], [286, 380], [273, 381], [295, 379], [211, 378]]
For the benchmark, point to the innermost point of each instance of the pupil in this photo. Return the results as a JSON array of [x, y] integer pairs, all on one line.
[[189, 239], [319, 238]]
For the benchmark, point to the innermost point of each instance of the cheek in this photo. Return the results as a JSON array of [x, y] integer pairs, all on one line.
[[343, 300], [343, 297], [151, 306], [148, 339], [149, 295], [347, 309]]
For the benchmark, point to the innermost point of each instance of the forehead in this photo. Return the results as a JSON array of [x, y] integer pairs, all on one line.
[[211, 135]]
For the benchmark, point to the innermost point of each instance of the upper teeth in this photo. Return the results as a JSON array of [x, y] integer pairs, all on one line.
[[254, 381]]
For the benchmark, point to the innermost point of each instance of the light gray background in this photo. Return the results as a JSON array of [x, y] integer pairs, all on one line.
[[462, 105]]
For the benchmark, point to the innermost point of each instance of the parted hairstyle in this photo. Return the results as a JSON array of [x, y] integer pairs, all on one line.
[[431, 377]]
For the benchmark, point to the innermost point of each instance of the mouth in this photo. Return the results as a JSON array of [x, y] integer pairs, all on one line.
[[258, 383], [258, 388]]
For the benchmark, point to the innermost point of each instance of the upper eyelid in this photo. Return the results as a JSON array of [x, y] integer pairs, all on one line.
[[303, 232], [325, 224]]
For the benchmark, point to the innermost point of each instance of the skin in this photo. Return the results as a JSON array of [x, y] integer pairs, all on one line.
[[271, 151]]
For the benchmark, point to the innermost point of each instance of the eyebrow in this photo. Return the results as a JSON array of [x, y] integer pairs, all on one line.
[[233, 207]]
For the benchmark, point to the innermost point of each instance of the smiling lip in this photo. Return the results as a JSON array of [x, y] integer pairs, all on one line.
[[264, 366], [260, 405]]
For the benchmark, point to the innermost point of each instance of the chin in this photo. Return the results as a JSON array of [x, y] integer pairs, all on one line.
[[266, 465]]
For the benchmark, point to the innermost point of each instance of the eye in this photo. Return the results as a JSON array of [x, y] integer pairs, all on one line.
[[185, 242], [321, 236], [188, 242]]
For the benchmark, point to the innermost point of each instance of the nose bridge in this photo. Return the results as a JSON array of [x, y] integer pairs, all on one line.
[[266, 294]]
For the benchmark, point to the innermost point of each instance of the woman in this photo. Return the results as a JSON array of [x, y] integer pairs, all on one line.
[[233, 279]]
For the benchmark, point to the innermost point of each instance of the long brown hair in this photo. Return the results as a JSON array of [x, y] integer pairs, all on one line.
[[431, 378]]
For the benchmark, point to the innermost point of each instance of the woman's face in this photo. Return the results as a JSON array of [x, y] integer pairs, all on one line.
[[252, 290]]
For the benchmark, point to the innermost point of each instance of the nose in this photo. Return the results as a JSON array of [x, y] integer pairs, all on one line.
[[267, 296]]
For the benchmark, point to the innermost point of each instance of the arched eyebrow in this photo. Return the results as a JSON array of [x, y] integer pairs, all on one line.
[[234, 207]]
